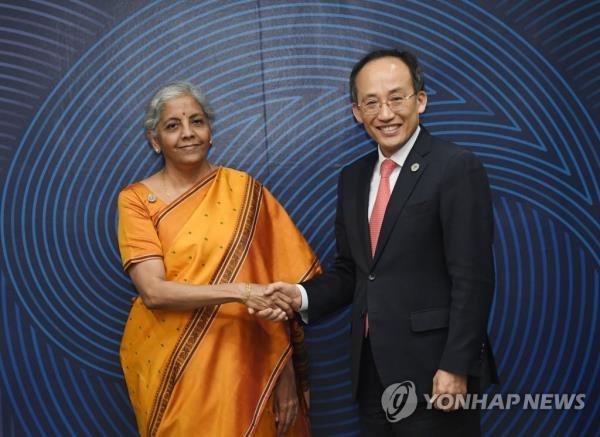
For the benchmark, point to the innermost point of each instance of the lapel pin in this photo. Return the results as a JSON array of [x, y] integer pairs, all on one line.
[[151, 198], [414, 167]]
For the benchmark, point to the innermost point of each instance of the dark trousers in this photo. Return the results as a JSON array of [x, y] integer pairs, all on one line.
[[421, 423]]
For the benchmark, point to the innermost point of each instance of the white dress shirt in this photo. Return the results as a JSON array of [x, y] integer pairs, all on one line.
[[399, 157]]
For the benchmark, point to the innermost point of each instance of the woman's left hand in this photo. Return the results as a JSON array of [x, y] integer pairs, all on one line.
[[285, 400]]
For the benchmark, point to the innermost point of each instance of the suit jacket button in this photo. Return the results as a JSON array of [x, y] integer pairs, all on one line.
[[372, 277]]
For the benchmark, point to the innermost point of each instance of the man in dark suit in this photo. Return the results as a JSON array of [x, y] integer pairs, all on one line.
[[414, 231]]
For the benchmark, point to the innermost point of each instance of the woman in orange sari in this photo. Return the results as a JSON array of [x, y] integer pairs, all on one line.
[[196, 240]]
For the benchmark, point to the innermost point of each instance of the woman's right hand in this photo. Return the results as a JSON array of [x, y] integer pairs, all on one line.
[[255, 299]]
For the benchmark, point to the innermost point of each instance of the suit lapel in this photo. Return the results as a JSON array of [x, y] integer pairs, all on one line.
[[411, 172], [363, 184]]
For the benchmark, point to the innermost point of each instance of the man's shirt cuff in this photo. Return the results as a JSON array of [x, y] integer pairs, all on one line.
[[303, 311]]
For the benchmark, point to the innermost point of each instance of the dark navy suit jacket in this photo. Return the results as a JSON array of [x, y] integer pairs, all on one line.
[[428, 288]]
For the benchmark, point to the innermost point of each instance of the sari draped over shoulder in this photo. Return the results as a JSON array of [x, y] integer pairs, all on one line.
[[211, 372]]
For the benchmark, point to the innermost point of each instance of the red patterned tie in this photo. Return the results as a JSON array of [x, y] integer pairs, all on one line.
[[381, 201]]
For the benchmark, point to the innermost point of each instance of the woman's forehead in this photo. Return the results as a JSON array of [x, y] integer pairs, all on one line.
[[181, 105]]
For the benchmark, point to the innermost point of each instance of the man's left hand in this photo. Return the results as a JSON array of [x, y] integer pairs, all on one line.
[[447, 383]]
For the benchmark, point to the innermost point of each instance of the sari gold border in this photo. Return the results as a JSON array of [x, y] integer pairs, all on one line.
[[262, 401], [232, 261], [312, 270], [299, 353], [201, 319], [184, 196]]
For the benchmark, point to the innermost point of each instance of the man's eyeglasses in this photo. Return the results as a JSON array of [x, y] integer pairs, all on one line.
[[396, 103]]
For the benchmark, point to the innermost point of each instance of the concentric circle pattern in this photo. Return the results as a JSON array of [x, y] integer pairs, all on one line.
[[517, 83]]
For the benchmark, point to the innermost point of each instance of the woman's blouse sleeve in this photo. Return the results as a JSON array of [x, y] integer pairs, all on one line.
[[138, 240]]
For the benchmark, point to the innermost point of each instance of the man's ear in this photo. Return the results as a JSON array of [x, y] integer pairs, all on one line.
[[421, 101], [357, 113]]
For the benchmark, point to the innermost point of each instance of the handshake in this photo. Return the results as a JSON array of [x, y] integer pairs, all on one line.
[[276, 302]]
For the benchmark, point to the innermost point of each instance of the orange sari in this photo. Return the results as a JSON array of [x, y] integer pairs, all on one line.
[[210, 372]]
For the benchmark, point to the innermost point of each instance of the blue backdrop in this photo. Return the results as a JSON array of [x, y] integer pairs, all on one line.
[[518, 82]]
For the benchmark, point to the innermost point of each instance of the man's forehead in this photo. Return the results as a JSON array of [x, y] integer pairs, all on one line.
[[388, 63], [388, 70], [388, 85]]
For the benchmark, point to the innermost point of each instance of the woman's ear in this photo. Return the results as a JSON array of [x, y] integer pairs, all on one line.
[[153, 142]]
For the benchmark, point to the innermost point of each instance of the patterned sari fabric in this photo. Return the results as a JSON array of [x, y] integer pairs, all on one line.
[[211, 372]]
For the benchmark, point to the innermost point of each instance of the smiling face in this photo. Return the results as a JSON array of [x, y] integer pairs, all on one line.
[[182, 133], [381, 79]]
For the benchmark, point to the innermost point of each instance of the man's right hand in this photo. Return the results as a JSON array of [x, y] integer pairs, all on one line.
[[284, 292], [290, 291]]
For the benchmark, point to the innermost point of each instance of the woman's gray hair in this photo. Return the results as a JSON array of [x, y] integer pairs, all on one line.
[[171, 91]]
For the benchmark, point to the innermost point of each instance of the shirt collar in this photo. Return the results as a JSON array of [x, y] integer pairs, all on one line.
[[399, 157]]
